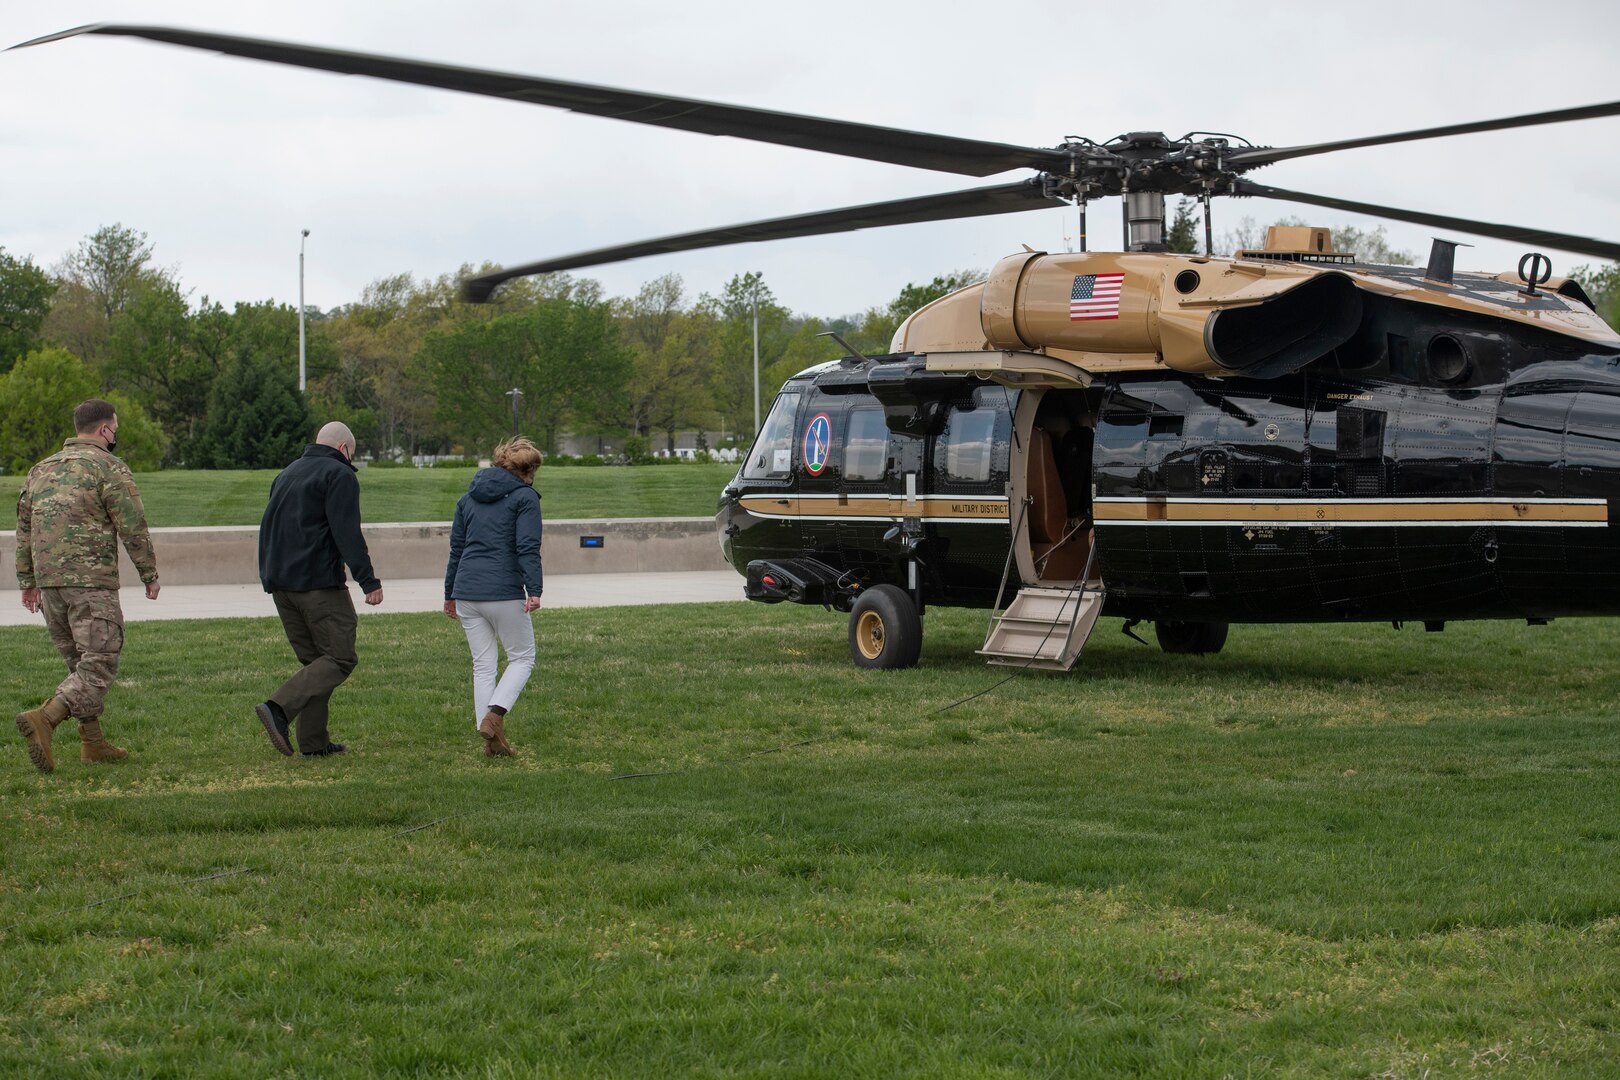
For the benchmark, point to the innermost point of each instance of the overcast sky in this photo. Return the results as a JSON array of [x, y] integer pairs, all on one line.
[[222, 161]]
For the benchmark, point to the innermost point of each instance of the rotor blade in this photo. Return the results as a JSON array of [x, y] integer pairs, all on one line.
[[971, 157], [974, 202], [1267, 155], [1579, 245]]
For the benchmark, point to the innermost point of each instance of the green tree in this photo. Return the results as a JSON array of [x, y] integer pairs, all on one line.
[[269, 330], [37, 398], [668, 386], [730, 359], [1602, 284], [110, 264], [142, 442], [336, 397], [1182, 236], [377, 339], [647, 318], [25, 301], [807, 348], [565, 356], [671, 351], [153, 354], [99, 280], [256, 418]]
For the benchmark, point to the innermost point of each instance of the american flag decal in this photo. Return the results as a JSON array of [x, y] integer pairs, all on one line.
[[1095, 296]]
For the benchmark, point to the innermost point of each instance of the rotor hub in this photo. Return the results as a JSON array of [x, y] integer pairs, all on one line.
[[1145, 161]]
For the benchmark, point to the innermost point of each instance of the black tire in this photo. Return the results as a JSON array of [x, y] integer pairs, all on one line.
[[885, 630], [1195, 638]]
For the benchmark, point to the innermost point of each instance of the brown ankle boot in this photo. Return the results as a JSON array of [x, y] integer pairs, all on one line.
[[93, 745], [493, 728], [37, 726]]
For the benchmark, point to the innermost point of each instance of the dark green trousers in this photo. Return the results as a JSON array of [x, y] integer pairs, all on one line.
[[320, 626]]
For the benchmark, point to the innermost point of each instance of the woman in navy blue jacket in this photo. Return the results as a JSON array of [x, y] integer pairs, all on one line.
[[493, 582]]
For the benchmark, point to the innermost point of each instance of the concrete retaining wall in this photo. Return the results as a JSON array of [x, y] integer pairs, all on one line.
[[229, 554]]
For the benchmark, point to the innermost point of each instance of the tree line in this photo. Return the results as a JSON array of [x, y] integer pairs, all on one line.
[[408, 366], [412, 370]]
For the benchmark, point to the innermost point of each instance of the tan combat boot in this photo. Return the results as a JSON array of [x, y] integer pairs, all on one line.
[[493, 728], [37, 726], [94, 747]]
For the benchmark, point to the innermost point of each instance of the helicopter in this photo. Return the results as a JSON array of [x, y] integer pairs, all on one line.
[[1285, 435]]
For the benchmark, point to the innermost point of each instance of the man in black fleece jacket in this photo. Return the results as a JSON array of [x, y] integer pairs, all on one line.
[[311, 528]]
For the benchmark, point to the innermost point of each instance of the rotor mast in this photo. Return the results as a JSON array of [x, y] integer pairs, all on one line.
[[1141, 167]]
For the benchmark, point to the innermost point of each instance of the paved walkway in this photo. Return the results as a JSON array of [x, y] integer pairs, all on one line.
[[422, 594]]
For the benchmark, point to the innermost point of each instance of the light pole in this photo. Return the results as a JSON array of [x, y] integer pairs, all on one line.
[[757, 278], [514, 394], [302, 236]]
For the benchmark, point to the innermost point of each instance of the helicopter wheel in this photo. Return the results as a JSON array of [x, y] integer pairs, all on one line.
[[1196, 638], [884, 629]]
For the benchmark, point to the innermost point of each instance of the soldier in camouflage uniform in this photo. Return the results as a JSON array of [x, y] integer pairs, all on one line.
[[74, 508]]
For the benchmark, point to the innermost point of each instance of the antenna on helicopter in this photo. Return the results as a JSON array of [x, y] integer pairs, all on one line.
[[852, 350], [1442, 260]]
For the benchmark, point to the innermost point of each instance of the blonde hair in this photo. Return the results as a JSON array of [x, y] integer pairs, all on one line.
[[518, 456]]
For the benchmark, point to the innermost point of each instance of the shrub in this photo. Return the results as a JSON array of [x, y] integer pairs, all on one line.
[[636, 451], [37, 397]]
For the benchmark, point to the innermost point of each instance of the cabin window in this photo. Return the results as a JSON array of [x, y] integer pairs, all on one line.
[[967, 446], [772, 456], [866, 446]]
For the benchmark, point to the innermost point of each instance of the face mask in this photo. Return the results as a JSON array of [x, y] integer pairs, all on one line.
[[112, 443]]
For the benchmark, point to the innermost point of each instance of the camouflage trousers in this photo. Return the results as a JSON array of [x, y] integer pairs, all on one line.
[[87, 628]]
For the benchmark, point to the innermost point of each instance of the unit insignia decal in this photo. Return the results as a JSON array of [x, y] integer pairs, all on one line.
[[817, 444]]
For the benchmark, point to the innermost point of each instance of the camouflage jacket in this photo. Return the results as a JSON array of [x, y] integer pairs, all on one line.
[[74, 508]]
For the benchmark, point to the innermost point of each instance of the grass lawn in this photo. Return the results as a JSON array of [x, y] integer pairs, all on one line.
[[180, 497], [1328, 851]]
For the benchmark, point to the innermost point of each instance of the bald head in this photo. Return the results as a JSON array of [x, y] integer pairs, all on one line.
[[337, 435]]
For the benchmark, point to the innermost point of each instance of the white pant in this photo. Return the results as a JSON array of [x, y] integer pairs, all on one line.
[[485, 621]]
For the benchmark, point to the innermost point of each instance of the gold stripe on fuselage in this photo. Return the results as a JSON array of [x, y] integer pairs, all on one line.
[[991, 508], [1353, 512]]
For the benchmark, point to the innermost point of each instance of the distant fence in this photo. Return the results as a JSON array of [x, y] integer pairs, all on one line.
[[229, 554]]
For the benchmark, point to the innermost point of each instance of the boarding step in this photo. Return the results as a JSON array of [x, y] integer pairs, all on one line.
[[1044, 628]]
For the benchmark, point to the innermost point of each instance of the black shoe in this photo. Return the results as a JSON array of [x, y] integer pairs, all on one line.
[[329, 748], [275, 725]]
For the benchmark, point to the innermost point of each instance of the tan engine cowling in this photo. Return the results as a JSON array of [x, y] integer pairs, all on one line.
[[1121, 311]]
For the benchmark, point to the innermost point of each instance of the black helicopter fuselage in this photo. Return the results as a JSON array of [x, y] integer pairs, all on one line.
[[1439, 466]]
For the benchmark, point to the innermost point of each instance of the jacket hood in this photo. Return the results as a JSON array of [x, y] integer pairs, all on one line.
[[493, 485]]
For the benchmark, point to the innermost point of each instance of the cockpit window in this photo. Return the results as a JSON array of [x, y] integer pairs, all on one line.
[[772, 455]]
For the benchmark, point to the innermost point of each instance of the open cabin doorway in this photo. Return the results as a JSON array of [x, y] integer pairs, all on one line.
[[1054, 434]]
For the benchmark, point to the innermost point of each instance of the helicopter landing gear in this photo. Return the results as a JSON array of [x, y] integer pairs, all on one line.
[[1197, 638], [885, 630]]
